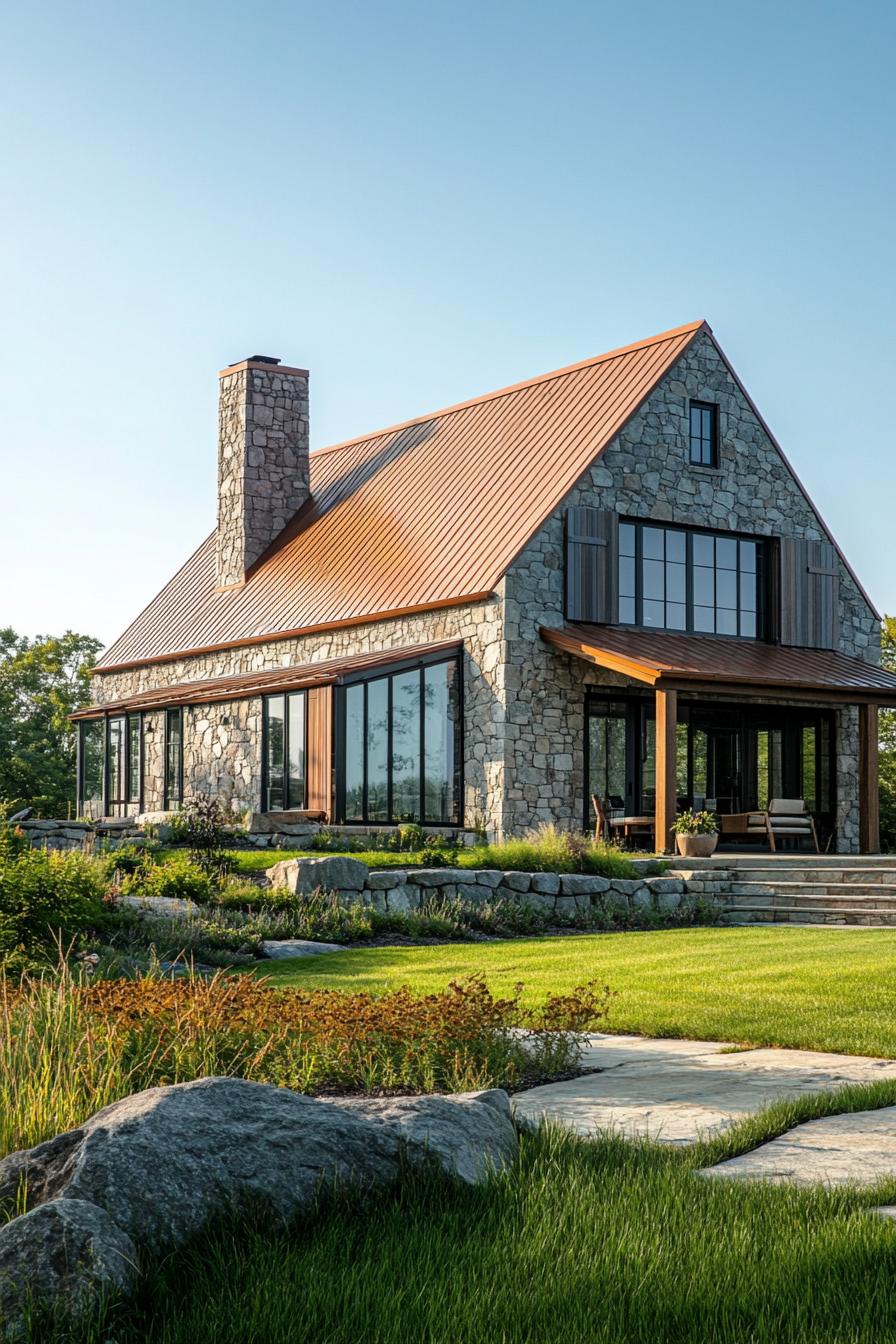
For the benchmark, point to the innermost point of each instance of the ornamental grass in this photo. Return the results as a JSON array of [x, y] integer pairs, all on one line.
[[67, 1048]]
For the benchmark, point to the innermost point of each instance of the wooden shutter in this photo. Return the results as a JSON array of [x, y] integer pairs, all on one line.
[[318, 736], [809, 594], [592, 545]]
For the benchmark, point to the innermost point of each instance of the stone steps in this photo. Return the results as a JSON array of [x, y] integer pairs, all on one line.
[[849, 891], [797, 888], [851, 915]]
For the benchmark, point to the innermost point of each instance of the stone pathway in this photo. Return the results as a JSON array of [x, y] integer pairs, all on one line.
[[854, 1149], [677, 1092]]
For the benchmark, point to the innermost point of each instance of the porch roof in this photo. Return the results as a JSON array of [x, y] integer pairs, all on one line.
[[325, 672], [709, 663]]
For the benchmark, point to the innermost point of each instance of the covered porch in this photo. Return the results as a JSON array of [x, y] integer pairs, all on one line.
[[730, 725]]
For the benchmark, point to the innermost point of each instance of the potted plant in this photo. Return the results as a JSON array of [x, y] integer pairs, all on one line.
[[696, 834]]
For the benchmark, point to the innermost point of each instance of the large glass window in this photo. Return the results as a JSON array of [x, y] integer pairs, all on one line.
[[607, 754], [174, 758], [400, 746], [704, 438], [284, 752], [92, 767], [116, 759], [135, 759], [705, 583]]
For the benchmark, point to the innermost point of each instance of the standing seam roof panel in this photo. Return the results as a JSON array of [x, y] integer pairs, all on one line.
[[422, 515]]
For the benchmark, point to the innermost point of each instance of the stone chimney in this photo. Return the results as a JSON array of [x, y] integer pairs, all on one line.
[[263, 467]]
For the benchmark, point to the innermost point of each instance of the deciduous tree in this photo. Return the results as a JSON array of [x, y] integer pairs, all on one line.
[[42, 681]]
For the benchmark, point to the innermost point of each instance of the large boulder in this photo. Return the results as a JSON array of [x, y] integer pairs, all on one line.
[[161, 907], [151, 1171], [289, 949], [336, 872], [67, 1251], [468, 1135], [162, 1163]]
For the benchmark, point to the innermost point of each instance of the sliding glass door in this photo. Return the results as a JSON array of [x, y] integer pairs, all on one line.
[[729, 758]]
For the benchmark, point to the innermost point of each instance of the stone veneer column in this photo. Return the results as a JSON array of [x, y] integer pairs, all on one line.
[[263, 469]]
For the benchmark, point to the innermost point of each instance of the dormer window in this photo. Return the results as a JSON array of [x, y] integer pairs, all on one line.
[[704, 434]]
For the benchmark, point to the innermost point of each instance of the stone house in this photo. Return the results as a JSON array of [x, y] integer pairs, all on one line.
[[604, 581]]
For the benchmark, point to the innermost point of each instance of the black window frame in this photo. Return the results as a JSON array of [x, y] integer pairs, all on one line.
[[134, 796], [85, 726], [116, 795], [763, 578], [706, 445], [170, 795], [288, 805], [387, 674]]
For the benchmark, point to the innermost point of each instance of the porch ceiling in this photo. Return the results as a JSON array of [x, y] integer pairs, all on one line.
[[707, 663]]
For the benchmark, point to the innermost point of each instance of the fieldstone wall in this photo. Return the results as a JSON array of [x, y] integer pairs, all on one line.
[[562, 894], [646, 473], [222, 752], [87, 835], [262, 461]]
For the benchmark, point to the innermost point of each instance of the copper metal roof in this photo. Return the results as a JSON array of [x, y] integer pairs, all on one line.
[[422, 515], [213, 690], [726, 664]]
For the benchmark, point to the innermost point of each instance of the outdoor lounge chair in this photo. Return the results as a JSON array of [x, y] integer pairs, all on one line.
[[744, 826], [790, 818]]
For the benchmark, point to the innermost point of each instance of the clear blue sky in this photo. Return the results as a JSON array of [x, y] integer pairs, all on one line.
[[420, 203]]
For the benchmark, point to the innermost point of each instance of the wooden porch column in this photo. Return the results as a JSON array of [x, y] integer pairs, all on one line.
[[666, 773], [869, 810]]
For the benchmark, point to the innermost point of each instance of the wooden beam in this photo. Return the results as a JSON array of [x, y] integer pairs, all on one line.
[[869, 806], [666, 774]]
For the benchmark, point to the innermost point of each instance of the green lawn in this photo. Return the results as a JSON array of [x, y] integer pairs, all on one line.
[[821, 989], [602, 1242], [581, 1243]]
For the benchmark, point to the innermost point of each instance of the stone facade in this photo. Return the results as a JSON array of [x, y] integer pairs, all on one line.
[[524, 720], [262, 461], [646, 473]]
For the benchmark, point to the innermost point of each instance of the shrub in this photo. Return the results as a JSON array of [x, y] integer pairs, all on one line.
[[410, 837], [206, 832], [125, 859], [178, 876], [46, 898]]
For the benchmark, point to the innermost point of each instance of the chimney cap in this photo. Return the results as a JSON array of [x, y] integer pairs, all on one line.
[[255, 359]]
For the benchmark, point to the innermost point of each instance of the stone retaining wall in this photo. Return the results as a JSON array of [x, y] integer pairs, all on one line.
[[561, 894], [51, 834]]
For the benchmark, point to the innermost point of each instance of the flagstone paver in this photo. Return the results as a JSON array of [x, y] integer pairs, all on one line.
[[676, 1092], [854, 1149]]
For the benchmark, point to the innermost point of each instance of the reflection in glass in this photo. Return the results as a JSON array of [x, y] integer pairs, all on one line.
[[135, 758], [354, 753], [440, 718], [378, 750], [406, 746], [116, 761], [93, 755], [275, 727], [606, 753]]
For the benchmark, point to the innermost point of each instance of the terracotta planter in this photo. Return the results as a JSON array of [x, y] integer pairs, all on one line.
[[697, 846]]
